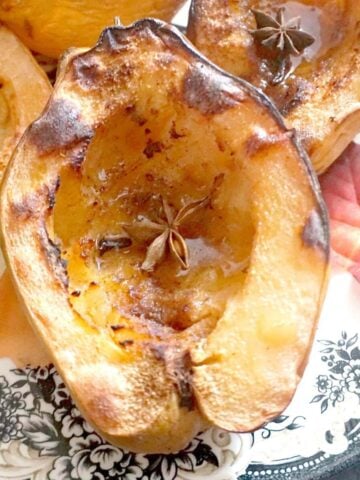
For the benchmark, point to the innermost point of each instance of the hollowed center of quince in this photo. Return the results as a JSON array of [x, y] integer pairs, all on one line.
[[137, 160]]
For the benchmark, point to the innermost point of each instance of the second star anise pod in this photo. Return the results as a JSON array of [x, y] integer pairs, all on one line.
[[276, 33]]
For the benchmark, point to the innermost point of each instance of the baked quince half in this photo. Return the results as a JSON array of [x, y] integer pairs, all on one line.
[[24, 91], [303, 54], [52, 27], [167, 237]]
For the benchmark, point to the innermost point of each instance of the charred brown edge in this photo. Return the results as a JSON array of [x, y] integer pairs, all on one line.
[[182, 376], [126, 343], [206, 91], [59, 128], [34, 204], [313, 232], [178, 366], [27, 208], [53, 256], [192, 21], [117, 327], [78, 153], [152, 148], [86, 72], [52, 191], [321, 205]]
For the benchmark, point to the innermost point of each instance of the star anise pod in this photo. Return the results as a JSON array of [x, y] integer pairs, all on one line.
[[276, 33], [166, 231]]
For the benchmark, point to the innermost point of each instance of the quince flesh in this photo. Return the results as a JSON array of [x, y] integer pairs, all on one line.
[[17, 339], [52, 27], [320, 98], [139, 127], [24, 91]]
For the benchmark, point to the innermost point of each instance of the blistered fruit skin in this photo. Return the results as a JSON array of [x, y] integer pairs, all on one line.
[[144, 138], [24, 92], [52, 27], [321, 97]]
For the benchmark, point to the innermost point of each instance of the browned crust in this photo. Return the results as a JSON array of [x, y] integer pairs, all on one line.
[[178, 364], [206, 90], [26, 209], [53, 257], [87, 72], [315, 233], [35, 204], [52, 193], [60, 127]]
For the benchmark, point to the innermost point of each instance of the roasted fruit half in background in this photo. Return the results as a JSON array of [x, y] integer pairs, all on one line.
[[168, 240], [24, 91], [17, 339], [52, 27], [303, 54]]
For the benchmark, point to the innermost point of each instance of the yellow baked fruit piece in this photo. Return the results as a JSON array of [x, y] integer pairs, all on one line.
[[24, 91], [52, 27], [167, 237], [317, 88], [17, 339]]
